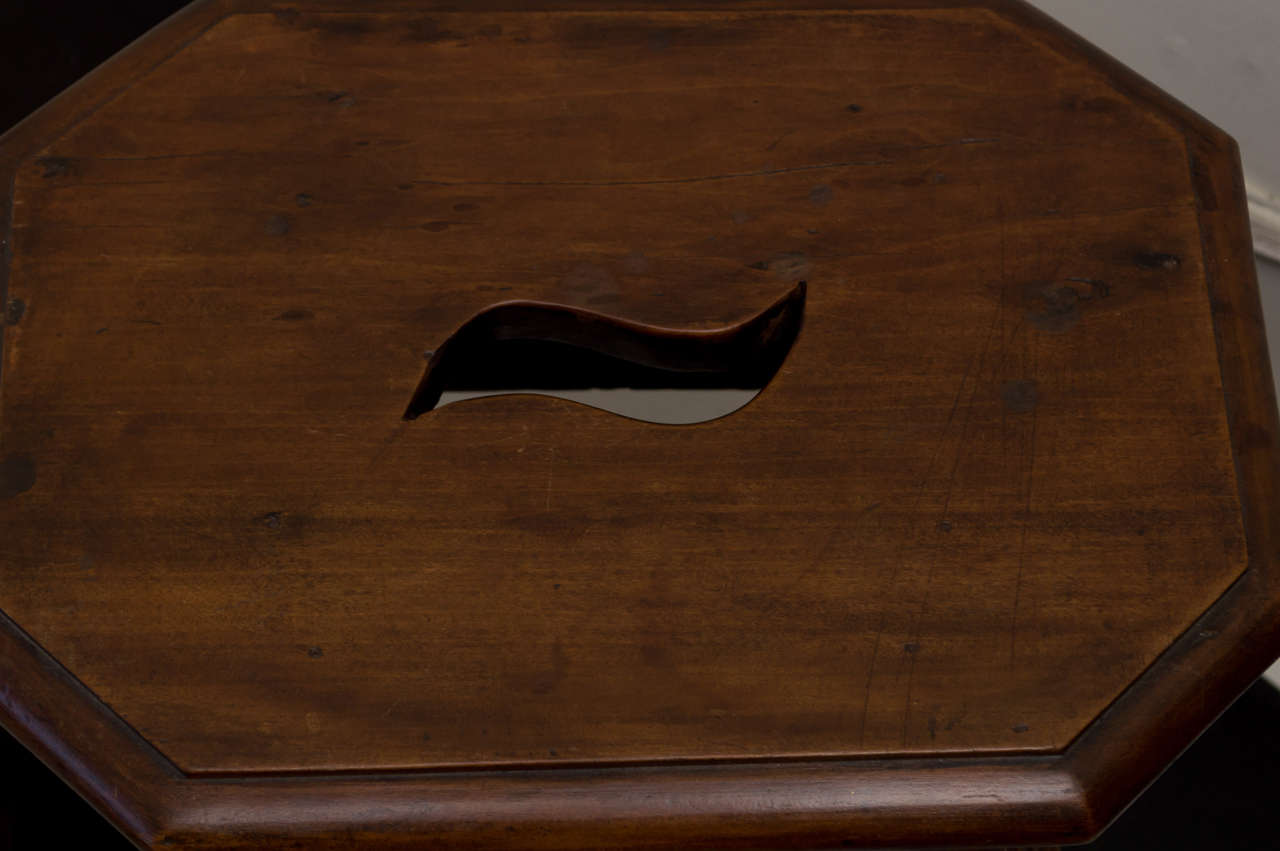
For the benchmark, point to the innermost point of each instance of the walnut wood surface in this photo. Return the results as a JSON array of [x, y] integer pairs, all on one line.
[[1022, 445]]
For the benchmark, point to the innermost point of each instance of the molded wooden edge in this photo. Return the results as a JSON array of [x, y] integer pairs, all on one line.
[[81, 740], [42, 705], [109, 79], [1199, 676], [602, 6], [866, 804], [83, 98], [871, 802], [1232, 643]]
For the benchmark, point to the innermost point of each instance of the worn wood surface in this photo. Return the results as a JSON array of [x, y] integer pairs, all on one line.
[[991, 484]]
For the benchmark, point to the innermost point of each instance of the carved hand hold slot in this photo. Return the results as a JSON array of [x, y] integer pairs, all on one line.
[[609, 362]]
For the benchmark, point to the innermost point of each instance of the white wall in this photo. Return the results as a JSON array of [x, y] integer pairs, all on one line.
[[1269, 283], [1220, 57]]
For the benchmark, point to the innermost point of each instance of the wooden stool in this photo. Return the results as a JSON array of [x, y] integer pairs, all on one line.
[[994, 542]]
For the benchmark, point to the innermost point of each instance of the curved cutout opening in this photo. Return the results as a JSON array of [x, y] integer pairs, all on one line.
[[645, 372]]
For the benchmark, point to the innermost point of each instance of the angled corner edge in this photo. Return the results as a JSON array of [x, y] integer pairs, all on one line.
[[108, 79], [1129, 745], [1067, 42], [42, 705], [55, 717], [83, 97], [1235, 640]]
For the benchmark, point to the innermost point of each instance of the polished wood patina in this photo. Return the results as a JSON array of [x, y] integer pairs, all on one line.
[[994, 542]]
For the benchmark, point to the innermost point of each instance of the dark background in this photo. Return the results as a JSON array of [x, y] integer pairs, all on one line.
[[1221, 794]]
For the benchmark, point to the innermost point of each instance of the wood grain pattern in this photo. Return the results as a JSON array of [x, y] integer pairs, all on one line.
[[992, 484]]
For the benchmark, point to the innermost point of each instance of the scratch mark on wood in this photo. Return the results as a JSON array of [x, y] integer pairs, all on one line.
[[1026, 521], [658, 181], [386, 444], [551, 465], [902, 545], [734, 175], [914, 633], [840, 532], [82, 184], [152, 157], [774, 143]]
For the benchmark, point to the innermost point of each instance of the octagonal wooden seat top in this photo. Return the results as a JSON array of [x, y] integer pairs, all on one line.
[[994, 542]]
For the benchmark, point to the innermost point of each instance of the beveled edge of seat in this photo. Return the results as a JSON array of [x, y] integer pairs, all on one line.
[[1068, 797]]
